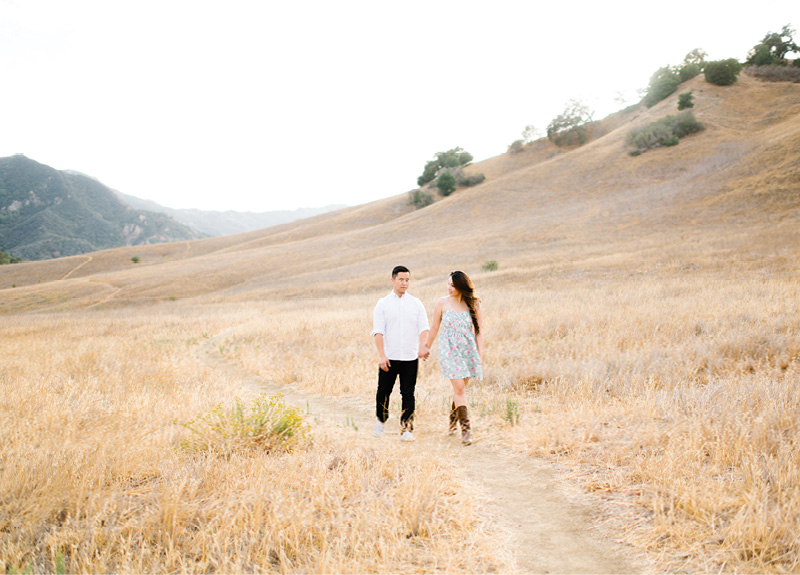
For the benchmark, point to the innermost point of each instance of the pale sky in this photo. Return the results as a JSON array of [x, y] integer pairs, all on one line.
[[265, 105]]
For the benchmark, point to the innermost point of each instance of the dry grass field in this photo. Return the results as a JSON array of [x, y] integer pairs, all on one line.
[[642, 341]]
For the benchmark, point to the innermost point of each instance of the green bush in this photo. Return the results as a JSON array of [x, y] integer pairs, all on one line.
[[135, 259], [689, 71], [489, 266], [773, 48], [446, 183], [420, 198], [454, 158], [6, 258], [269, 425], [662, 83], [664, 132], [686, 100], [723, 72]]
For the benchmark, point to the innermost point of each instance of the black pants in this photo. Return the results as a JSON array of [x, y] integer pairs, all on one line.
[[407, 370]]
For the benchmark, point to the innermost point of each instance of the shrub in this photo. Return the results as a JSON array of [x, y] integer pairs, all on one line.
[[664, 132], [135, 259], [686, 100], [454, 158], [420, 198], [446, 183], [269, 425], [569, 127], [775, 73], [516, 147], [689, 71], [723, 72], [7, 258], [464, 180], [662, 83], [489, 266]]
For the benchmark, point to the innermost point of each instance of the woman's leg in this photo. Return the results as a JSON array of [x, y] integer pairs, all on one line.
[[459, 391]]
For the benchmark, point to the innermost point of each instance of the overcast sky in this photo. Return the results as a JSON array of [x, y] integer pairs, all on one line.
[[266, 105]]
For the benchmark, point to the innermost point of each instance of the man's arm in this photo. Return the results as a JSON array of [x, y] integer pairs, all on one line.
[[383, 361]]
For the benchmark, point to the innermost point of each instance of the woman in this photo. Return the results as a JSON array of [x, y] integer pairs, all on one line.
[[460, 344]]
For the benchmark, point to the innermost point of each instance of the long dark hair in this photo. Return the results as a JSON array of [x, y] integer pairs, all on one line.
[[463, 285]]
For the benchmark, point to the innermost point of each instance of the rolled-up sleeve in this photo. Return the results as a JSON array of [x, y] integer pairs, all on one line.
[[378, 320]]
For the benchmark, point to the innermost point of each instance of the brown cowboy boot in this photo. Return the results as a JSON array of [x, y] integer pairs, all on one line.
[[466, 436], [453, 420]]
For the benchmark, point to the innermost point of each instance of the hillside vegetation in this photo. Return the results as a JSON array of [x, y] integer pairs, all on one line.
[[46, 213], [642, 336]]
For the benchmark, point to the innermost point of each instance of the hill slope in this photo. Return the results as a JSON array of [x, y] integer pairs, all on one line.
[[46, 213], [731, 189], [216, 223]]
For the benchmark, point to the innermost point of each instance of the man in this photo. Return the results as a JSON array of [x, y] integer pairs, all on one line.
[[400, 328]]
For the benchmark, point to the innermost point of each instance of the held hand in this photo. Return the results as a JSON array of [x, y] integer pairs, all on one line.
[[384, 363], [424, 352]]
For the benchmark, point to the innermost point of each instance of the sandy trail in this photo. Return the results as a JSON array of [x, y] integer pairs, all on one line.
[[550, 531]]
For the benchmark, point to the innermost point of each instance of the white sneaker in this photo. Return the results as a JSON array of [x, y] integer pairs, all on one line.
[[407, 436], [378, 431]]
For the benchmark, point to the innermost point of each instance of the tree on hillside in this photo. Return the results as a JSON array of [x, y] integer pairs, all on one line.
[[446, 183], [723, 72], [6, 258], [773, 48], [454, 158], [569, 127], [696, 56], [530, 134], [662, 83]]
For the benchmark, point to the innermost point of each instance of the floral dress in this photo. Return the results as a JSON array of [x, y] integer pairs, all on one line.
[[458, 350]]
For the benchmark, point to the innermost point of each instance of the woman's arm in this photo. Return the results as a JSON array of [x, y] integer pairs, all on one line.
[[437, 320], [479, 337]]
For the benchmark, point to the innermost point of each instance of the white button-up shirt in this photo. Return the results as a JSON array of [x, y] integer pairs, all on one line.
[[400, 320]]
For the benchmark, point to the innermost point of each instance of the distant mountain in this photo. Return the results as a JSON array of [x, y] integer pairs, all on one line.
[[229, 222], [46, 213]]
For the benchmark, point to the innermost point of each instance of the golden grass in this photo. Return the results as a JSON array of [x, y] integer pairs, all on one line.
[[93, 479], [675, 397]]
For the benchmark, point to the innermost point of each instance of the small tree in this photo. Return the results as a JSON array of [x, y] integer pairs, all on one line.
[[723, 72], [446, 183], [662, 83], [773, 48], [530, 134], [449, 159], [569, 127], [516, 147], [686, 100]]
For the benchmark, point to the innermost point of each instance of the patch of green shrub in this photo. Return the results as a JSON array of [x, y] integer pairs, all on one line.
[[420, 198], [7, 258], [446, 182], [268, 425], [454, 158], [489, 266], [662, 83], [685, 100], [723, 72], [664, 132], [135, 259], [689, 71]]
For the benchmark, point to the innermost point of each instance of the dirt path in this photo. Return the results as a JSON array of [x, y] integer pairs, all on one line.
[[76, 268], [550, 531]]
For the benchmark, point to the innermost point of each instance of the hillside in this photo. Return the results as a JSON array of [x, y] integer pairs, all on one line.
[[729, 189], [46, 213], [215, 223]]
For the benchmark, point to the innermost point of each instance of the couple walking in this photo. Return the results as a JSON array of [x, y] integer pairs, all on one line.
[[402, 336]]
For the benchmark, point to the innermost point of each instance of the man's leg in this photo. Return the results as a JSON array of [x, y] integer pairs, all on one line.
[[408, 382], [386, 381]]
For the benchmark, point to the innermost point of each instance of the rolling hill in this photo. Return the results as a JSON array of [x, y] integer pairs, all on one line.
[[46, 213], [725, 198]]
